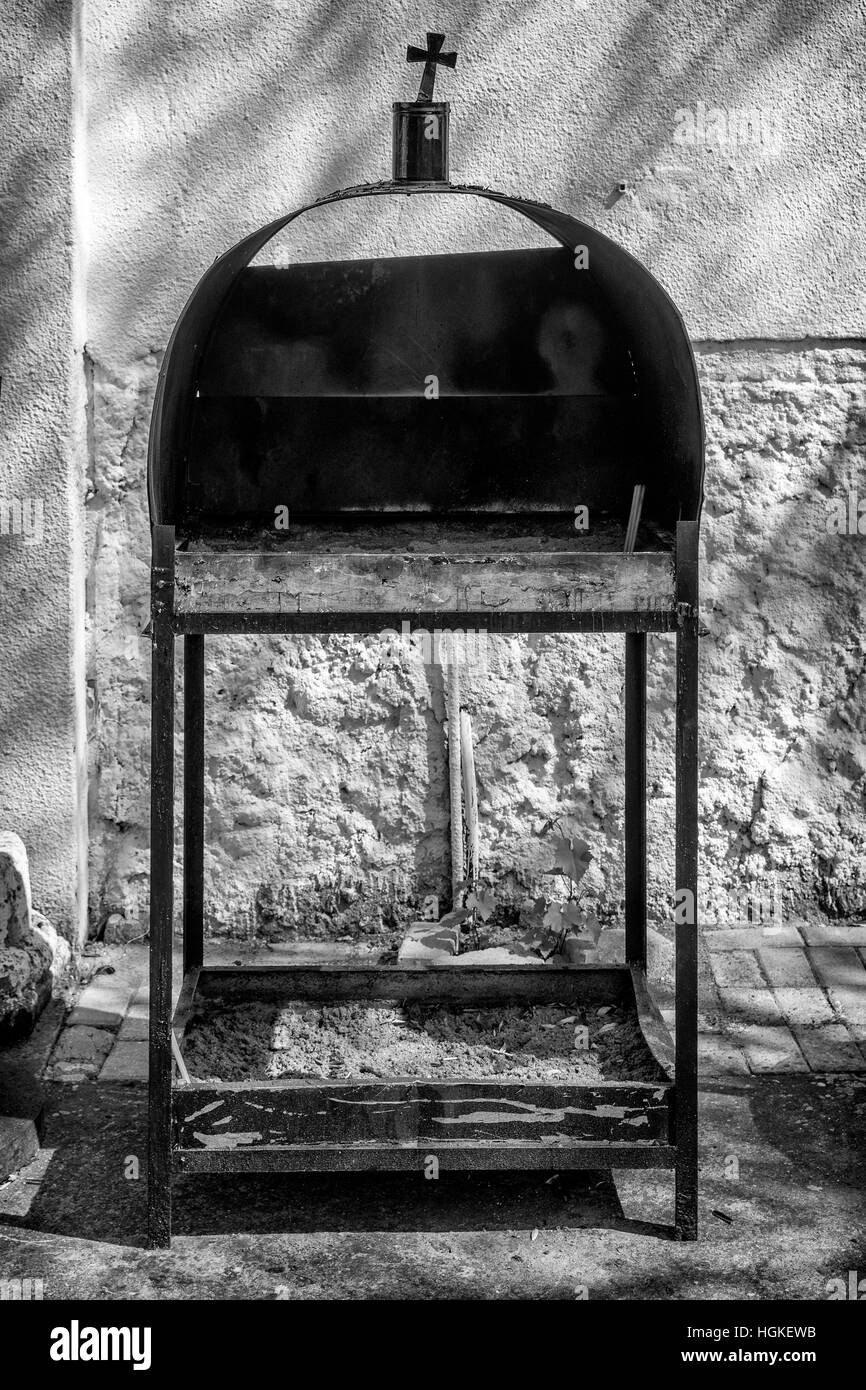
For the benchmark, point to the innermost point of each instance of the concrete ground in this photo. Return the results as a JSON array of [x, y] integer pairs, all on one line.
[[783, 1177]]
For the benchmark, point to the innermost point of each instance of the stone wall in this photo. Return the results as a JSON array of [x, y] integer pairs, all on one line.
[[328, 765]]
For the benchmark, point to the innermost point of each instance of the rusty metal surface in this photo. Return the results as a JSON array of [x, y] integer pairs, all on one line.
[[281, 1115], [505, 1156], [558, 583], [586, 984], [244, 1115]]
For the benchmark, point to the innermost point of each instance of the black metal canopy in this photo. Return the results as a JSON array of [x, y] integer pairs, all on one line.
[[560, 379]]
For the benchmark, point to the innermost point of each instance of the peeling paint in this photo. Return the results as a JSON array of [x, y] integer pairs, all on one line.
[[227, 1141], [205, 1110]]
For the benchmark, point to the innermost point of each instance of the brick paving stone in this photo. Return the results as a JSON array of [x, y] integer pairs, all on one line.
[[830, 1048], [787, 968], [841, 972], [750, 938], [820, 935], [83, 1044], [750, 1006], [736, 970], [805, 1008], [105, 996], [128, 1062], [133, 1029], [800, 997], [94, 1018], [718, 1056], [769, 1049]]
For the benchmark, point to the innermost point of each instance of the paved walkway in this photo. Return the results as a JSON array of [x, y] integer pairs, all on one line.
[[791, 999], [784, 1000]]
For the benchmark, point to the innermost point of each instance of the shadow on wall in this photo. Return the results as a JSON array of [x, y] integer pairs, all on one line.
[[220, 117], [206, 121], [38, 773]]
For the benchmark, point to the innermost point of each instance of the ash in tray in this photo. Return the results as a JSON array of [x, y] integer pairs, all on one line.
[[363, 1039]]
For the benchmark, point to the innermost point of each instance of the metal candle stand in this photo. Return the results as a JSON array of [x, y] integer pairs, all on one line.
[[578, 389]]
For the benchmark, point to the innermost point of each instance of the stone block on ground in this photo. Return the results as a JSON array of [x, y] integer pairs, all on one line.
[[797, 991], [787, 968], [718, 1056], [31, 953], [22, 1118], [107, 997], [19, 1144], [841, 972], [127, 1062], [736, 970], [831, 1048], [817, 934], [15, 901], [750, 1006], [769, 1049], [751, 938], [82, 1046], [133, 1029], [94, 1018], [805, 1008]]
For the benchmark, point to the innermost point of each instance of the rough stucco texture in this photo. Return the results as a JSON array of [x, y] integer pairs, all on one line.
[[327, 760], [41, 583]]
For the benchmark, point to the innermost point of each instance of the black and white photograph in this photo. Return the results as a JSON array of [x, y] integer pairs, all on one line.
[[433, 680]]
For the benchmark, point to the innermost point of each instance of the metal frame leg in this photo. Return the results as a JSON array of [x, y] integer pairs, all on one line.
[[193, 801], [635, 798], [687, 594], [161, 888]]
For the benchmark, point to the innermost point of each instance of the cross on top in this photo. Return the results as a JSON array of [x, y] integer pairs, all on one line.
[[430, 56]]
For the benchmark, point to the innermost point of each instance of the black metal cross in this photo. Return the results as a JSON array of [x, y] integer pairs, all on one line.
[[430, 56]]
